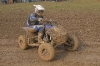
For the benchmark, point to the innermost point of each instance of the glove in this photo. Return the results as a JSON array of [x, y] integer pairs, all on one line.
[[40, 19]]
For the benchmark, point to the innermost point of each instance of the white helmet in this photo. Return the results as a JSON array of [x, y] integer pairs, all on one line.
[[38, 7]]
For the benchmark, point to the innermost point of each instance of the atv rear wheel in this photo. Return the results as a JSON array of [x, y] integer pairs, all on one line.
[[22, 42], [72, 43], [46, 52]]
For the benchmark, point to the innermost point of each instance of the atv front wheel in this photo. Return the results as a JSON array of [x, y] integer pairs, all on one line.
[[72, 43], [46, 52], [22, 42]]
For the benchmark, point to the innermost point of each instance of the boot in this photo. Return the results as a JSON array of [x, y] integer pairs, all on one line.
[[40, 36]]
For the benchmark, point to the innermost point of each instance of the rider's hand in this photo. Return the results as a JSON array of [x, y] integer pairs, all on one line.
[[40, 19]]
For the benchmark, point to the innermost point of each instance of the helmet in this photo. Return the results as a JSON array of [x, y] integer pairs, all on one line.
[[38, 7]]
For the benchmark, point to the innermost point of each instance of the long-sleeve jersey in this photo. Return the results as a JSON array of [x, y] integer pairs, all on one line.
[[33, 19]]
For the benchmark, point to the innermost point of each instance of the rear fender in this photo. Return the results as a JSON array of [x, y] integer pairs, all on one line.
[[25, 28]]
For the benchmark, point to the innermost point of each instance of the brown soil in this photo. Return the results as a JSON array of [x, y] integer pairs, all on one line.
[[86, 25]]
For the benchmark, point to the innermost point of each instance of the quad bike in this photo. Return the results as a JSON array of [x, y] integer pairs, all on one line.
[[53, 37]]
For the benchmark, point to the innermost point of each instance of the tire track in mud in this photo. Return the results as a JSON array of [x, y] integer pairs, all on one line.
[[85, 25]]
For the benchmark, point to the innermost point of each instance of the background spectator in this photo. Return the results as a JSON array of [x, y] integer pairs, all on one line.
[[14, 1], [10, 1], [4, 1]]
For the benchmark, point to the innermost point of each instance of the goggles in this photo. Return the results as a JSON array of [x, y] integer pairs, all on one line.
[[40, 11]]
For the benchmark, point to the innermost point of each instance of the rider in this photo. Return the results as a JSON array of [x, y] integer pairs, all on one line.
[[35, 24]]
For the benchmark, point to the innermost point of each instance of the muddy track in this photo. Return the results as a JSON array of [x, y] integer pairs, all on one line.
[[85, 25]]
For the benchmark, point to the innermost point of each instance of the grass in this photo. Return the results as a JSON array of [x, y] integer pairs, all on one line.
[[74, 5]]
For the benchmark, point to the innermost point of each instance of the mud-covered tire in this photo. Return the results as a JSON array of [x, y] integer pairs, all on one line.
[[22, 42], [73, 43], [46, 52]]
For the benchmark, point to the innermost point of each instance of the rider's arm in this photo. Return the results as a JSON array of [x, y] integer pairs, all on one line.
[[33, 20], [32, 17]]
